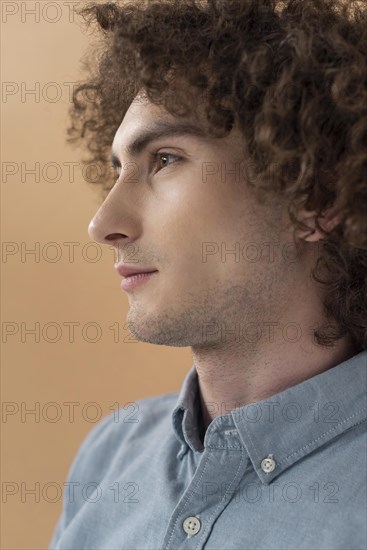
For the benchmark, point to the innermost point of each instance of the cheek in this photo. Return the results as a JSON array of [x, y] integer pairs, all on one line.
[[183, 203], [187, 216]]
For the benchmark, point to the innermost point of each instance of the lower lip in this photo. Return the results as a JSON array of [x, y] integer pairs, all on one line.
[[135, 280]]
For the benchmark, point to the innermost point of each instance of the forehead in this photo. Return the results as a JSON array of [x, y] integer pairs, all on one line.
[[143, 110], [142, 114], [144, 118], [139, 115]]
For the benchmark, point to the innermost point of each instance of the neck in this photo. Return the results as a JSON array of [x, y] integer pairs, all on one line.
[[231, 378]]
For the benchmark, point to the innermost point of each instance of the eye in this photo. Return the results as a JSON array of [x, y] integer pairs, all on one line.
[[162, 159], [116, 171]]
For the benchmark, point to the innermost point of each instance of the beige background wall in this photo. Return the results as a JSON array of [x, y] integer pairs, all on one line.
[[48, 290]]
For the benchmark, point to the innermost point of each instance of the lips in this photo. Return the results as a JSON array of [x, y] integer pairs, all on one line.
[[126, 271]]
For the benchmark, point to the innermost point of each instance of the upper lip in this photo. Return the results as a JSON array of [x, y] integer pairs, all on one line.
[[126, 271]]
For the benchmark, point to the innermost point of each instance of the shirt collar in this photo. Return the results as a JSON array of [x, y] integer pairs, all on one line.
[[288, 425], [185, 414]]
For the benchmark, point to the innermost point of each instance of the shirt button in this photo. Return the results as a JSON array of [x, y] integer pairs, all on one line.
[[191, 525], [268, 464]]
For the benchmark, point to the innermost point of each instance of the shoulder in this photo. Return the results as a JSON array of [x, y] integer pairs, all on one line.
[[132, 422], [112, 436]]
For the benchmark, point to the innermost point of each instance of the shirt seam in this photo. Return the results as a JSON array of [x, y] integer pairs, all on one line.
[[222, 500], [323, 435], [309, 443], [239, 448], [185, 502]]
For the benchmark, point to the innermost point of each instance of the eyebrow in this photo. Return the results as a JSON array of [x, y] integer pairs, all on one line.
[[159, 130]]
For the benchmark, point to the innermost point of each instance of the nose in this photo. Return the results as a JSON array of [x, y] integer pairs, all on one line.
[[111, 224], [97, 234]]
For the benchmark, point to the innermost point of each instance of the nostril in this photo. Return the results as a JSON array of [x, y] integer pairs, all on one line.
[[114, 236]]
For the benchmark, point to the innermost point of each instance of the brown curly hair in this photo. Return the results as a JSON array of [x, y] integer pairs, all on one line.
[[291, 73]]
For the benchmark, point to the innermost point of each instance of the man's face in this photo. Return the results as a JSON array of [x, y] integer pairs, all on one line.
[[219, 253]]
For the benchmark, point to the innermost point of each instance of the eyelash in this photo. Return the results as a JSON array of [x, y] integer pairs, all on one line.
[[153, 157]]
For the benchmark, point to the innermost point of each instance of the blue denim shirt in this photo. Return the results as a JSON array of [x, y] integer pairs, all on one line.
[[287, 472]]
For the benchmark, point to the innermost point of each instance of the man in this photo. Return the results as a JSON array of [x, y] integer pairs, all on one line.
[[238, 130]]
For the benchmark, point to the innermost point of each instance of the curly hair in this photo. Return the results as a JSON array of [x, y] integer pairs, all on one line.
[[292, 74]]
